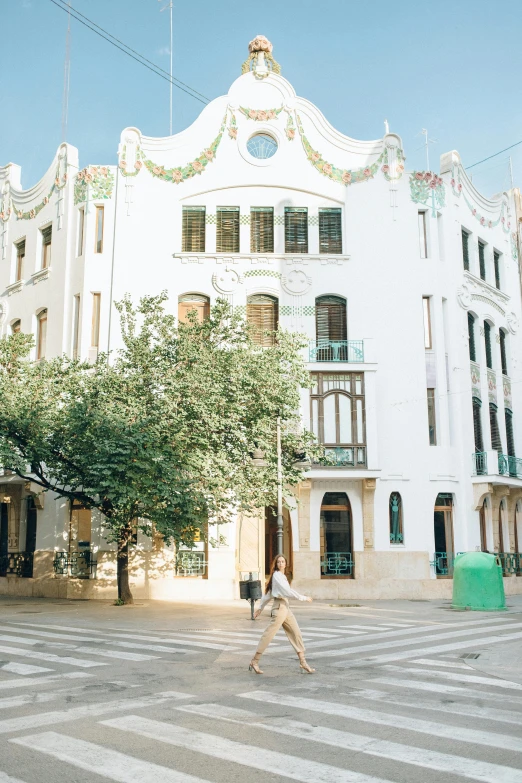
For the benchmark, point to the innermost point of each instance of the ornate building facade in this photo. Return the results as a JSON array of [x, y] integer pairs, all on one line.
[[406, 284]]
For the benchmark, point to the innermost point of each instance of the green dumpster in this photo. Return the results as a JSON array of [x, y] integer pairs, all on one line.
[[477, 583]]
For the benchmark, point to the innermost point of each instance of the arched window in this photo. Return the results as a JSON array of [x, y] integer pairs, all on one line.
[[395, 509], [16, 326], [443, 533], [336, 536], [41, 334], [330, 328], [483, 526], [193, 302], [263, 314]]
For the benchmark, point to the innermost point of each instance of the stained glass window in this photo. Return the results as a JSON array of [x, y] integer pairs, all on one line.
[[262, 146]]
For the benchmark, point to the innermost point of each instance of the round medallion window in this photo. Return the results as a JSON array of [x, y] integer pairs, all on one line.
[[262, 146]]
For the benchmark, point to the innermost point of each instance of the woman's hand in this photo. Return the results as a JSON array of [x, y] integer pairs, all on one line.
[[309, 599], [257, 613]]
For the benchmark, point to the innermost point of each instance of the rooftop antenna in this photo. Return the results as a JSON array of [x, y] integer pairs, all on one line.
[[66, 76], [427, 142], [511, 172], [169, 6], [386, 127]]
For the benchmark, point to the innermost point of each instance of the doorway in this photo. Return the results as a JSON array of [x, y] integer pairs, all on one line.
[[4, 537], [483, 528], [271, 539], [443, 530], [30, 537], [336, 536]]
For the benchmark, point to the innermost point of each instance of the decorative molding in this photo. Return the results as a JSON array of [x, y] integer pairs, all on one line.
[[478, 283], [506, 385], [15, 287], [263, 273], [260, 115], [296, 282], [42, 274], [4, 309], [226, 280], [457, 188], [94, 181], [512, 323], [296, 311], [475, 380], [492, 386], [464, 296], [260, 60], [487, 300], [428, 189], [254, 258]]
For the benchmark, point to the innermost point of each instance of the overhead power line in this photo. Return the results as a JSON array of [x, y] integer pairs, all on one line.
[[139, 58], [494, 155]]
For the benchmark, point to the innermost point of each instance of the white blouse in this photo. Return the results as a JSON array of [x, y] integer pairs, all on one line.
[[280, 589]]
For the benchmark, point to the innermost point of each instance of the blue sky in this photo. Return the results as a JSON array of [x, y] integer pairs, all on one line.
[[452, 66]]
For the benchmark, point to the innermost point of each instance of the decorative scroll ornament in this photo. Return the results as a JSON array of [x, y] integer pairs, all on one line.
[[464, 296], [514, 247], [260, 115], [502, 219], [512, 323], [260, 60], [100, 180], [60, 181], [428, 189], [7, 209]]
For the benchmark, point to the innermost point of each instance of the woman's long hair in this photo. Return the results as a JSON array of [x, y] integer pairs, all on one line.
[[273, 568]]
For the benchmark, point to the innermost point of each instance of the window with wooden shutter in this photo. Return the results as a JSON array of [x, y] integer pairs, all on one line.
[[487, 342], [482, 259], [193, 302], [98, 240], [330, 230], [261, 229], [193, 230], [465, 249], [432, 422], [477, 425], [496, 443], [47, 236], [16, 326], [503, 352], [296, 230], [330, 327], [227, 230], [263, 314], [496, 262], [510, 437], [20, 256], [471, 337], [41, 340]]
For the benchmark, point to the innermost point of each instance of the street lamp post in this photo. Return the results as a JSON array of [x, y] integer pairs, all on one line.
[[279, 491]]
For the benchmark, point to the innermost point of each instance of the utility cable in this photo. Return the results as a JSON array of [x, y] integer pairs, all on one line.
[[494, 155], [139, 58]]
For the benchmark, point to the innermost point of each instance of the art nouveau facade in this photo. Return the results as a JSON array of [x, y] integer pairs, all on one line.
[[406, 284]]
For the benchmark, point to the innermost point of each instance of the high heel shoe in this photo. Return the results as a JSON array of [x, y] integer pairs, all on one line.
[[305, 668], [253, 667]]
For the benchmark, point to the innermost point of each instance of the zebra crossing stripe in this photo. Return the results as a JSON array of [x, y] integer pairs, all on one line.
[[80, 662], [86, 711], [331, 631], [439, 648], [113, 643], [9, 684], [269, 761], [441, 688], [123, 656], [440, 662], [106, 763], [9, 702], [431, 728], [23, 668], [472, 711], [364, 627], [496, 682], [395, 751]]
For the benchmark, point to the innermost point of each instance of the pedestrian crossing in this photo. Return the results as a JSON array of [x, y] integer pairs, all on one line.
[[434, 717]]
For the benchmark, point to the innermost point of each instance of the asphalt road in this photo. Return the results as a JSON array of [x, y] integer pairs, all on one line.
[[156, 693]]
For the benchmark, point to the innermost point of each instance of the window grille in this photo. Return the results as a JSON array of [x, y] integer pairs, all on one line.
[[47, 235], [465, 249], [261, 230], [471, 338], [189, 302], [227, 230], [20, 255], [496, 262], [510, 437], [423, 244], [263, 314], [296, 230], [98, 247], [496, 443], [503, 352], [395, 512], [487, 342], [477, 425], [482, 259], [432, 423], [193, 230], [330, 230]]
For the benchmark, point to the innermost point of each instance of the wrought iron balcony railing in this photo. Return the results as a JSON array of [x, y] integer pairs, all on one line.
[[336, 351], [509, 466], [480, 463], [343, 457], [80, 565], [17, 564], [337, 564]]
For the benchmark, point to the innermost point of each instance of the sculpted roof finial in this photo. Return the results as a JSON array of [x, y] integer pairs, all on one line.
[[260, 60]]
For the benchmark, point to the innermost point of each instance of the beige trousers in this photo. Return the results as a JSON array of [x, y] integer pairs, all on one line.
[[281, 616]]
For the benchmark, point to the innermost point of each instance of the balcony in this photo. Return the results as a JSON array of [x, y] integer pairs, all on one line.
[[343, 457], [485, 463], [336, 351], [509, 466]]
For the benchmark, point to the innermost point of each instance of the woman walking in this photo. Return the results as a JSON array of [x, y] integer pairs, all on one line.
[[279, 589]]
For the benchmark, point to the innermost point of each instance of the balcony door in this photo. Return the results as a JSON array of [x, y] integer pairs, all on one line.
[[443, 530], [331, 329], [336, 536]]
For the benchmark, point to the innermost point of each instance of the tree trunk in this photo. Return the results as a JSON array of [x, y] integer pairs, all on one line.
[[124, 593]]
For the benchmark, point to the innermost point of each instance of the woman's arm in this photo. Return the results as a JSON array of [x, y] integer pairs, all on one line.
[[284, 589]]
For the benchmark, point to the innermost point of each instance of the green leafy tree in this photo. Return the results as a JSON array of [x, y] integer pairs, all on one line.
[[161, 436]]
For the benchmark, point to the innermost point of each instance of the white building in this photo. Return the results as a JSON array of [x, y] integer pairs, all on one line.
[[406, 283]]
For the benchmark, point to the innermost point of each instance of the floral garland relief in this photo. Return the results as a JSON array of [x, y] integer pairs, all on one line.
[[428, 189], [456, 186], [260, 115], [99, 178], [58, 184]]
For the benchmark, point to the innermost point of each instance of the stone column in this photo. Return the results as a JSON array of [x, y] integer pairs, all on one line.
[[368, 496]]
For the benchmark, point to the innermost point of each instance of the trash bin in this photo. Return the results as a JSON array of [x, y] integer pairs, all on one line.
[[250, 589], [477, 583]]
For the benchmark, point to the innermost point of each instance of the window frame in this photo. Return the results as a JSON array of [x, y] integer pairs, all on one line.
[[260, 241], [253, 316], [41, 338], [478, 433], [400, 528], [76, 326], [20, 258], [423, 233], [47, 241], [320, 395], [502, 335], [14, 324], [482, 260], [294, 244], [197, 238], [497, 256], [95, 319], [432, 415], [488, 345], [233, 236], [81, 232], [324, 238], [426, 318], [471, 337], [465, 235]]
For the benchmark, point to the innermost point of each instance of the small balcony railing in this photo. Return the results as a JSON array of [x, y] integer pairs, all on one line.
[[337, 564], [511, 562], [191, 563], [509, 466], [79, 565], [17, 564], [480, 463], [336, 351], [343, 457]]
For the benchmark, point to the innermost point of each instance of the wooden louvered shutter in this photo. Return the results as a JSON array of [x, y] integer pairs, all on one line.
[[193, 230], [296, 230], [509, 434], [482, 260], [465, 249], [330, 326], [503, 354], [496, 443], [330, 231], [227, 230], [471, 335], [496, 262], [262, 230], [487, 340], [262, 313], [189, 302], [477, 425]]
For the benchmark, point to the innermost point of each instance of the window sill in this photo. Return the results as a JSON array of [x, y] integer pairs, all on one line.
[[262, 258], [15, 287], [42, 274]]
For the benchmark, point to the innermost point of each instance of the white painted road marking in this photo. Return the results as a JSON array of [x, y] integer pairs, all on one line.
[[440, 688], [23, 668], [82, 664], [453, 676], [9, 684]]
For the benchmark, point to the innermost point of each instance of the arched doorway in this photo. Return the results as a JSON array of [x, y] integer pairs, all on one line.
[[4, 537], [443, 531], [271, 539], [30, 536], [483, 526], [336, 536]]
